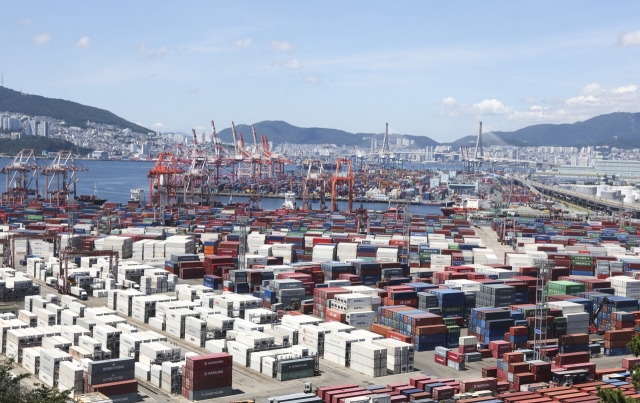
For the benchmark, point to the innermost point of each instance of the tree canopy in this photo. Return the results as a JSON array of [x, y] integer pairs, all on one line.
[[12, 389]]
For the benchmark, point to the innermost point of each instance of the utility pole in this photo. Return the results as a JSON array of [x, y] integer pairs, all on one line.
[[544, 267]]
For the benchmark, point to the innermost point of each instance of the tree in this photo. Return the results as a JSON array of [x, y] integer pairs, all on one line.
[[634, 346], [635, 377], [614, 395], [12, 391]]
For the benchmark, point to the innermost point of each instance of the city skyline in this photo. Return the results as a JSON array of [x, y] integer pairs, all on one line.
[[426, 69]]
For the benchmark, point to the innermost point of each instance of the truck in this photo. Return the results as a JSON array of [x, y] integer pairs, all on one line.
[[129, 284], [78, 292]]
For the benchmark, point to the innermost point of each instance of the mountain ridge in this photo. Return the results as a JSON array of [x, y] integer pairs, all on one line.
[[73, 113], [279, 132], [618, 129]]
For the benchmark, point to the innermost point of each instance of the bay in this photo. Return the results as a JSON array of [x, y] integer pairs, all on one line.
[[115, 179]]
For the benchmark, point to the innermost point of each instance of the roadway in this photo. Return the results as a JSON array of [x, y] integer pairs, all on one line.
[[581, 199]]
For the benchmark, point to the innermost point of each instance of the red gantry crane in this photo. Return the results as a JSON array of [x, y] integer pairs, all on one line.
[[343, 176]]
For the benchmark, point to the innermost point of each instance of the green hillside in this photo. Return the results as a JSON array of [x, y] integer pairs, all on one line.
[[73, 113], [282, 132], [39, 144], [619, 129]]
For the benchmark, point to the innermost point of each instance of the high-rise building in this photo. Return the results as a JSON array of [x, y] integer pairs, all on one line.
[[9, 123], [146, 149], [27, 128], [43, 129], [133, 148]]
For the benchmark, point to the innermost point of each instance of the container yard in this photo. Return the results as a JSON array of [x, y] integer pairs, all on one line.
[[234, 303]]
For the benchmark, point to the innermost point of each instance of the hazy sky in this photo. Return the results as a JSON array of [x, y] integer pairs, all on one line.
[[428, 68]]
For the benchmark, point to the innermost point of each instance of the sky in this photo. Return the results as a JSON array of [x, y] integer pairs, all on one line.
[[425, 67]]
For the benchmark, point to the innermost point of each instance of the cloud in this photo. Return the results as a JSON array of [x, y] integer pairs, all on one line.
[[282, 46], [160, 52], [449, 101], [313, 80], [84, 42], [26, 21], [161, 126], [42, 38], [141, 48], [243, 43], [490, 107], [591, 100], [290, 64], [529, 100], [627, 39], [485, 107]]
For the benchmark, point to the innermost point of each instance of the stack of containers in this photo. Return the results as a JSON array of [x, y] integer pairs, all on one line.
[[109, 376], [450, 302], [50, 360], [332, 270], [573, 343], [615, 342], [564, 287], [122, 245], [424, 330], [489, 324], [337, 347], [496, 295], [425, 253], [71, 377], [367, 252], [625, 286], [356, 308], [441, 354], [605, 319], [400, 355], [322, 298], [456, 360], [207, 376], [347, 251], [179, 244], [325, 252], [369, 359], [369, 272]]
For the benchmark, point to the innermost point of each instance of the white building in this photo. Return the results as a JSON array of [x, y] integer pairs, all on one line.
[[133, 148], [43, 129]]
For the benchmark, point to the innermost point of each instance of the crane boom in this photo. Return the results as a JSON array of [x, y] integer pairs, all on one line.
[[195, 138], [235, 139], [256, 150], [214, 139]]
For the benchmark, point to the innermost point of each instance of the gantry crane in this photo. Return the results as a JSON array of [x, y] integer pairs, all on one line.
[[344, 176], [61, 177], [71, 253], [315, 179], [20, 172], [163, 180]]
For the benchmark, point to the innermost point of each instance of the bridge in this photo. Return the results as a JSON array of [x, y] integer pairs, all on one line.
[[580, 199]]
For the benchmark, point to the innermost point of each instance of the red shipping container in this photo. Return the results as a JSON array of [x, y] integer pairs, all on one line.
[[443, 392], [572, 358], [455, 357], [208, 383], [116, 388], [209, 361], [200, 374], [323, 390], [440, 360]]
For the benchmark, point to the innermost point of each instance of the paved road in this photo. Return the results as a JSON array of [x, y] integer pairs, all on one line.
[[490, 239]]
